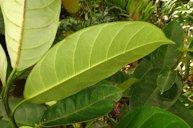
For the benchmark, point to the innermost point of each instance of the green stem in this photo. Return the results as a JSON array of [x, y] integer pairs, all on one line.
[[5, 98], [15, 108]]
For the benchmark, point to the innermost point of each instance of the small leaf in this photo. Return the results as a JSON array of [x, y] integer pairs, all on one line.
[[166, 79], [151, 117], [71, 6], [83, 106], [89, 56], [3, 66], [30, 29]]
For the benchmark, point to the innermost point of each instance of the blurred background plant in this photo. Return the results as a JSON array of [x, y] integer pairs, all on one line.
[[92, 12]]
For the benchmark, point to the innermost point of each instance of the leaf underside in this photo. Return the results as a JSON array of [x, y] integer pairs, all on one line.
[[30, 28], [88, 56], [3, 66]]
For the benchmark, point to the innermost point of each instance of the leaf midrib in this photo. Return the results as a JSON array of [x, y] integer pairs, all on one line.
[[21, 36]]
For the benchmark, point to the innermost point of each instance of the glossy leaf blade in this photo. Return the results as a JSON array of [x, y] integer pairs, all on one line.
[[83, 106], [151, 117], [30, 28], [3, 66], [89, 56]]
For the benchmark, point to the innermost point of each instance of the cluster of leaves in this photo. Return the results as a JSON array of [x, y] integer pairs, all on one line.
[[75, 83]]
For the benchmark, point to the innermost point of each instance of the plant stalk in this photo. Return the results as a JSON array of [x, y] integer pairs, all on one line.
[[5, 97]]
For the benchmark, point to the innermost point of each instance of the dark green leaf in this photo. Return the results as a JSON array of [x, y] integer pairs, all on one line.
[[166, 79], [127, 84], [118, 77], [143, 68], [146, 92], [83, 106], [167, 56], [151, 117], [5, 124], [179, 109]]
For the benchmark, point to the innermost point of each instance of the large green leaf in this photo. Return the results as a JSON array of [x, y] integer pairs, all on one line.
[[83, 106], [3, 66], [151, 117], [30, 28], [88, 56]]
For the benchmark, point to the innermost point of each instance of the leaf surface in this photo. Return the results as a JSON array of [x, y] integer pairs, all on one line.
[[89, 56], [3, 66], [182, 111], [83, 106], [167, 56], [151, 117], [148, 90], [5, 124], [30, 29], [27, 114], [166, 79], [1, 23]]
